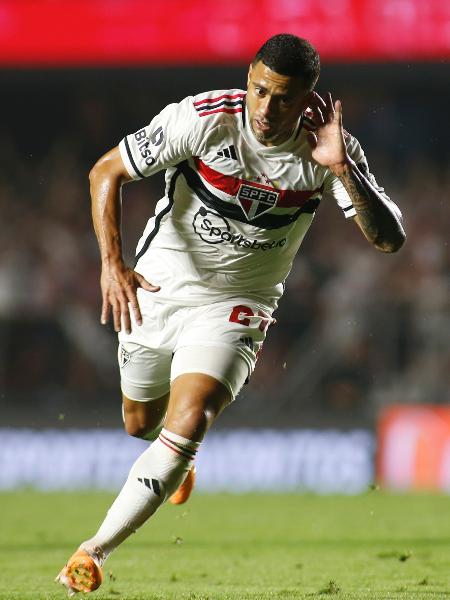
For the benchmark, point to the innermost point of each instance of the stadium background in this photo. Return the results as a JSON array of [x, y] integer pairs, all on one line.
[[357, 332]]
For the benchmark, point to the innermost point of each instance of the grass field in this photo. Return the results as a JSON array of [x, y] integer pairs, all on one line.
[[225, 547]]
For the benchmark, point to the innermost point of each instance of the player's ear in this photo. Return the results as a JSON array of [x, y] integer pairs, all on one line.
[[307, 99]]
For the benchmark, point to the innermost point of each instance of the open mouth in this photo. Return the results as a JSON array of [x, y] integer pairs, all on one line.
[[263, 126]]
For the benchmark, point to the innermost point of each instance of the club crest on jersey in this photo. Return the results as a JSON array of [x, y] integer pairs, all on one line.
[[255, 201]]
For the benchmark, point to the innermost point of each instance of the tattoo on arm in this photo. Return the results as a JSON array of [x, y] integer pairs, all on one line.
[[376, 218], [360, 198]]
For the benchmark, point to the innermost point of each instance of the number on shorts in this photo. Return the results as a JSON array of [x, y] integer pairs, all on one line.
[[240, 314]]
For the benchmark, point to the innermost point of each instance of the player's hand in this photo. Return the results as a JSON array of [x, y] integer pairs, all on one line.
[[327, 141], [119, 284]]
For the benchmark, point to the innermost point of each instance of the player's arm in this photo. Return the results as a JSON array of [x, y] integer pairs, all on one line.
[[378, 218], [118, 282]]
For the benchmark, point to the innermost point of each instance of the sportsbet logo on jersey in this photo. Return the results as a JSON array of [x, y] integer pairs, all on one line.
[[212, 228]]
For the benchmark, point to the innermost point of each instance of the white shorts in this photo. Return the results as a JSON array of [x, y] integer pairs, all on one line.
[[222, 339]]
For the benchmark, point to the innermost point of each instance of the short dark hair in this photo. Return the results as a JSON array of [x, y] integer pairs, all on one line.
[[290, 55]]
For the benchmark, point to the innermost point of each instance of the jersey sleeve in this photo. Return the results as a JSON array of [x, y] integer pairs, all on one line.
[[171, 137], [335, 188]]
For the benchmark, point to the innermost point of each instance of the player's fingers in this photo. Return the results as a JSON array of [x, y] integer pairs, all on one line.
[[330, 106], [338, 109], [125, 317], [318, 116], [124, 320], [116, 313], [105, 312], [146, 285], [133, 305], [317, 100]]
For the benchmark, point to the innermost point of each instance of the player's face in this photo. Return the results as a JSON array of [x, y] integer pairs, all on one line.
[[275, 103]]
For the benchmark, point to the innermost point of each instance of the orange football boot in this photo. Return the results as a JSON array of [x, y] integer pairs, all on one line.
[[184, 491], [82, 573]]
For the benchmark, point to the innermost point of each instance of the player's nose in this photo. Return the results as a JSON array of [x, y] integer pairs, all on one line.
[[267, 107]]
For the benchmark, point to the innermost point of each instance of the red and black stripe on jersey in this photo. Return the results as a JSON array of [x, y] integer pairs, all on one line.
[[227, 103], [233, 211], [230, 185]]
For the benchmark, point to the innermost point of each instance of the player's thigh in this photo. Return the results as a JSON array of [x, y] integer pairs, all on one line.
[[223, 363], [145, 354], [145, 385], [222, 340], [215, 355]]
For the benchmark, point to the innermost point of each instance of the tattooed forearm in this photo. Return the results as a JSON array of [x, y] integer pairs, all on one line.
[[378, 221], [360, 197]]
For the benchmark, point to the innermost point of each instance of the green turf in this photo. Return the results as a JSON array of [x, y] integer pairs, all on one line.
[[227, 547]]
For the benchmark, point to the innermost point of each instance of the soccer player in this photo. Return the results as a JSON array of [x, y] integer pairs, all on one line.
[[245, 173]]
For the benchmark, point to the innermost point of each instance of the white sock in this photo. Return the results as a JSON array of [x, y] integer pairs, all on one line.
[[153, 478]]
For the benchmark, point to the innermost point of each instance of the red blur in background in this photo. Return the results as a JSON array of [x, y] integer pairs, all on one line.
[[414, 448], [148, 32]]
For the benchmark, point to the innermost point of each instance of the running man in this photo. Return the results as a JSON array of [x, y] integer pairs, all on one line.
[[245, 173]]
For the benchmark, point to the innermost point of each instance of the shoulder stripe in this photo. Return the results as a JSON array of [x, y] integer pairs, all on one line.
[[216, 98], [230, 111], [231, 103], [130, 156]]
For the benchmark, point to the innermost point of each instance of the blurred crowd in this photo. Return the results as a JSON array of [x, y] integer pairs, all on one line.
[[356, 329]]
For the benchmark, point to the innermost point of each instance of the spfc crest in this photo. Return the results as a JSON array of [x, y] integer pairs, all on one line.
[[256, 200], [124, 357]]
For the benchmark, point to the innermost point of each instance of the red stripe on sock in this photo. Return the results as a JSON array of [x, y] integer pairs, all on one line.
[[174, 449], [179, 446]]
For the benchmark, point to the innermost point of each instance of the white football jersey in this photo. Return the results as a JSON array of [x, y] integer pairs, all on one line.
[[234, 211]]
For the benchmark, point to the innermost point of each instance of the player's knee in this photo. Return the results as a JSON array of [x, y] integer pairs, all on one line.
[[196, 401], [135, 427], [196, 419], [144, 419], [193, 420], [140, 426]]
